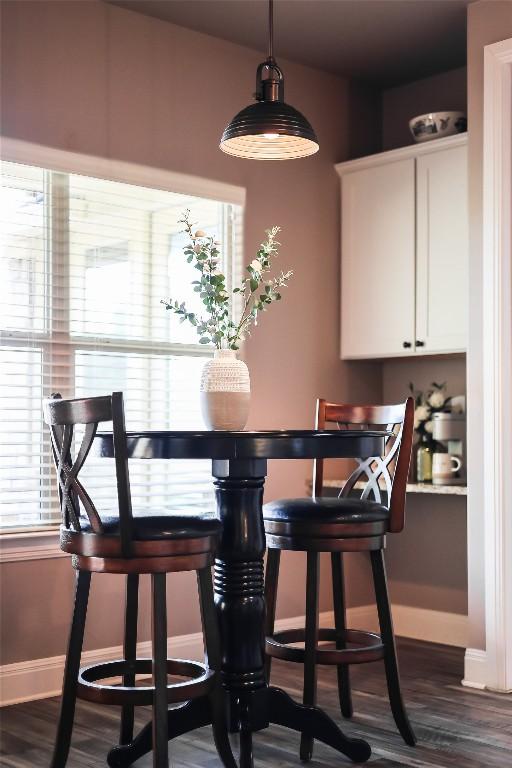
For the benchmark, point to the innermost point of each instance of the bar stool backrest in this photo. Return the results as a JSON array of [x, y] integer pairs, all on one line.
[[373, 476], [62, 416]]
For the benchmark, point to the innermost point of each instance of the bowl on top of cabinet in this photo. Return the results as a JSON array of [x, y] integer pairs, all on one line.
[[404, 251], [436, 125]]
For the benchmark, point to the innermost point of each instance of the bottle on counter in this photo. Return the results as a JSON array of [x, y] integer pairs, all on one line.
[[424, 460]]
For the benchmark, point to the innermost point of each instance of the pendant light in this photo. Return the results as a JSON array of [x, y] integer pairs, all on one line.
[[269, 129]]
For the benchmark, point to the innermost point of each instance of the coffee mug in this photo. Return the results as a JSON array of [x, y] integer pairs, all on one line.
[[444, 465]]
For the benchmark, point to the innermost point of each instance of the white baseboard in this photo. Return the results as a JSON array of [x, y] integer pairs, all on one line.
[[475, 669], [415, 623], [42, 678], [432, 626]]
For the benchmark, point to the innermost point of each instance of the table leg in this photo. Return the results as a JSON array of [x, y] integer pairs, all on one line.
[[315, 724], [238, 583], [241, 609], [180, 720], [238, 579]]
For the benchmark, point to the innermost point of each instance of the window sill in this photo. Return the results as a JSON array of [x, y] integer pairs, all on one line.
[[30, 545]]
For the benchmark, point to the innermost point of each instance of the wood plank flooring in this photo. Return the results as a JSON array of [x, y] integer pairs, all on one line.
[[456, 727]]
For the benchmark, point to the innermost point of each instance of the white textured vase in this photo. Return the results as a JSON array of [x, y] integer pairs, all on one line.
[[225, 391]]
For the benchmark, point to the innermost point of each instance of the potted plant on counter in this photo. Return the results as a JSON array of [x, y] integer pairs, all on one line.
[[427, 403]]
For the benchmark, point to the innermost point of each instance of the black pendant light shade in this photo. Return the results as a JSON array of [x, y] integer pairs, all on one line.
[[269, 129]]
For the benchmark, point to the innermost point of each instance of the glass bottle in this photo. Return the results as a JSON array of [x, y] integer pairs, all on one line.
[[424, 461]]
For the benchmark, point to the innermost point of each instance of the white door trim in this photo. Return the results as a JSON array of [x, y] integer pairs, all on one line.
[[497, 362]]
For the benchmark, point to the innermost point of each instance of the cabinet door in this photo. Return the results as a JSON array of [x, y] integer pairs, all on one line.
[[442, 251], [378, 261]]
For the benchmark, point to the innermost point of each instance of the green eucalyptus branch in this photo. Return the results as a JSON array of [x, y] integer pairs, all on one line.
[[257, 290]]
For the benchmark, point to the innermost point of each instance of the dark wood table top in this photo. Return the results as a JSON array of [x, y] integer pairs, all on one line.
[[270, 444]]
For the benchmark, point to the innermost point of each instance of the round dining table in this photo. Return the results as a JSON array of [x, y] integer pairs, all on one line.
[[239, 468]]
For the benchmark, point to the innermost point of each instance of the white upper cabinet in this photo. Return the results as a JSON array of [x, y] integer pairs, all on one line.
[[404, 251], [442, 250], [378, 274]]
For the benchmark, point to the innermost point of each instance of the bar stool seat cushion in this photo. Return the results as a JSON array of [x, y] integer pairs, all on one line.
[[325, 510], [155, 526]]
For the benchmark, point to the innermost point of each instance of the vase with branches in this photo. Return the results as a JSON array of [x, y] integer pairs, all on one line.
[[225, 382]]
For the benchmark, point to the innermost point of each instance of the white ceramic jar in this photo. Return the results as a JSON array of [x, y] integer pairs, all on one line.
[[225, 391]]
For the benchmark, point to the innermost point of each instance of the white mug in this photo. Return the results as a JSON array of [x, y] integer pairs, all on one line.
[[444, 465]]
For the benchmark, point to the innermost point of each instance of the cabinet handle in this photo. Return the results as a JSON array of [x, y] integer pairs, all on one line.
[[407, 345], [420, 343]]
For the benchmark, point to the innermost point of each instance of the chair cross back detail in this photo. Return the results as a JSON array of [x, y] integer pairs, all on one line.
[[62, 416], [391, 469]]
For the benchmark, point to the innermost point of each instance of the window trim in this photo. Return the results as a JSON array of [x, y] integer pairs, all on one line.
[[31, 544], [18, 151], [38, 542]]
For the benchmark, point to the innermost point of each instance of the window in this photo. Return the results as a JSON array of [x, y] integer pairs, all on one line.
[[84, 264]]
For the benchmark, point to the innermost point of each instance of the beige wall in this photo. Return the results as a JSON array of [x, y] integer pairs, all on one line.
[[92, 78], [488, 22], [441, 92], [427, 563]]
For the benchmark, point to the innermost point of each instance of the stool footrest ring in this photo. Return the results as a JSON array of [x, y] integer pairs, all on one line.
[[369, 646], [199, 682]]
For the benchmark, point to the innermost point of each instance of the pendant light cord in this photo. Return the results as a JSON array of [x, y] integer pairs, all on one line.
[[251, 132], [271, 30]]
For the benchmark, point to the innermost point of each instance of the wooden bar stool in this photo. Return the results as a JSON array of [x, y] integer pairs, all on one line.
[[129, 544], [337, 525]]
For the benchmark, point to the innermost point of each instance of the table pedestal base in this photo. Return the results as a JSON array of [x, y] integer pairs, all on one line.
[[280, 709], [251, 705]]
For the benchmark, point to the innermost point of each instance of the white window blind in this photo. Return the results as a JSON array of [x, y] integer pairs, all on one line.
[[84, 264]]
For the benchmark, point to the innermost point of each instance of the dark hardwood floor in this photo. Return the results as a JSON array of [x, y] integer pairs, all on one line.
[[456, 727]]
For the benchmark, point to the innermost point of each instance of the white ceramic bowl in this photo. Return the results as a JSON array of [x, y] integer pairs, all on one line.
[[434, 125]]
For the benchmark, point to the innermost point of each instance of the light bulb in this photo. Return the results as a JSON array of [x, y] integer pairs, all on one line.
[[271, 135]]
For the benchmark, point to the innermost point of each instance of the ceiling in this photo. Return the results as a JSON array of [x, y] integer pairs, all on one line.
[[388, 42]]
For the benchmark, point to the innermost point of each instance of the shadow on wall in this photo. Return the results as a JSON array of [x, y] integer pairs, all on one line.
[[365, 134]]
